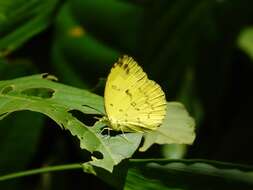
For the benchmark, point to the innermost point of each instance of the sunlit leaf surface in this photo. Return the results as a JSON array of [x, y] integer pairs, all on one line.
[[38, 93], [177, 128]]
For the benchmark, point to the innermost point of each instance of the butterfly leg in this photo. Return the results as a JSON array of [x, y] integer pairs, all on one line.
[[106, 128], [123, 134], [98, 118]]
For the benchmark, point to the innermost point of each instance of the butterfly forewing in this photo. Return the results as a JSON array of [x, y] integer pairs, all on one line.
[[132, 101]]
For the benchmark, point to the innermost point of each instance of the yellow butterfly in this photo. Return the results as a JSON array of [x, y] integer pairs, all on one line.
[[133, 103]]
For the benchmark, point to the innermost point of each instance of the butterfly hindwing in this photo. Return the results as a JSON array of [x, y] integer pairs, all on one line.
[[133, 103]]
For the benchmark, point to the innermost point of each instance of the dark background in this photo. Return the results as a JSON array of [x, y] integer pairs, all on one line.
[[191, 48]]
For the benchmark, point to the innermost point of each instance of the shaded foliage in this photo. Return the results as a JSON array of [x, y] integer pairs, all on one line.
[[190, 47]]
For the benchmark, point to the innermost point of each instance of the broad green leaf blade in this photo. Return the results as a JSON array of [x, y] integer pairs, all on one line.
[[22, 19], [120, 20], [245, 41], [19, 139], [119, 148], [177, 128], [38, 93], [188, 174], [76, 54]]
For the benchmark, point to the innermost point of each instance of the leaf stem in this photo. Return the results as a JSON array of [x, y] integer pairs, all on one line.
[[40, 171]]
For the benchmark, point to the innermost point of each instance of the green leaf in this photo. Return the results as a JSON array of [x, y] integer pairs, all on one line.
[[113, 21], [177, 128], [16, 156], [21, 19], [38, 93], [245, 41], [174, 151], [64, 70], [187, 174], [76, 54], [18, 146]]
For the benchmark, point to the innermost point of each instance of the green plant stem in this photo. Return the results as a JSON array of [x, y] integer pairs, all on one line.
[[40, 171]]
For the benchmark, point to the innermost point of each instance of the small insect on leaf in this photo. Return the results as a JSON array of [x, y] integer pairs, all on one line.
[[133, 103]]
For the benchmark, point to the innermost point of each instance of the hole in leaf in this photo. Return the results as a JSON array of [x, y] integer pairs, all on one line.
[[112, 133], [7, 89], [45, 75], [87, 119], [49, 77], [39, 92], [98, 155]]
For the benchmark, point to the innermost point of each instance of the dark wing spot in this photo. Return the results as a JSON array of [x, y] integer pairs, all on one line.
[[111, 105], [115, 87], [133, 104], [128, 93], [125, 66], [120, 110], [120, 62], [127, 71], [138, 109], [147, 102]]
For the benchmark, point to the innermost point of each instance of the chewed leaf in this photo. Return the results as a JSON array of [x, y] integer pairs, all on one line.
[[119, 147], [38, 93], [177, 128]]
